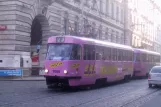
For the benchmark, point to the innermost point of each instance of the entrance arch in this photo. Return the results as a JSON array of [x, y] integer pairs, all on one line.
[[39, 30]]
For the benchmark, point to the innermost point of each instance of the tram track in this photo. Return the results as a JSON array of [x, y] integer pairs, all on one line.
[[37, 98], [112, 98], [141, 100], [40, 94], [32, 99], [52, 92]]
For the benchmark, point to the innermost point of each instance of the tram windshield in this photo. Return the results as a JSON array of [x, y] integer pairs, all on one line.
[[63, 52]]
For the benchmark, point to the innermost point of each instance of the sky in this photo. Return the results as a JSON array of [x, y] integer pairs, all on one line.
[[158, 2]]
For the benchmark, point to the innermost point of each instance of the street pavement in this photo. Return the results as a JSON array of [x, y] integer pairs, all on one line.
[[35, 94], [30, 78]]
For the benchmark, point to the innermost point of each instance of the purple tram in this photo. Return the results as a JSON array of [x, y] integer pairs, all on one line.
[[78, 61], [143, 61]]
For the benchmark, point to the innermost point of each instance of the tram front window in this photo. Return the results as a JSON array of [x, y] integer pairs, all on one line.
[[63, 52]]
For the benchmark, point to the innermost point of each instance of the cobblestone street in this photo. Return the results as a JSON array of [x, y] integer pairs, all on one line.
[[35, 94]]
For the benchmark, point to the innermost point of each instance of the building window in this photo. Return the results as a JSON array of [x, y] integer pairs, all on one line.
[[76, 25], [101, 6], [109, 34], [107, 7], [137, 24], [87, 3], [112, 10], [122, 16], [85, 26], [66, 23], [117, 14], [93, 31], [112, 36], [106, 34], [94, 4], [123, 38], [100, 33], [77, 1], [117, 38]]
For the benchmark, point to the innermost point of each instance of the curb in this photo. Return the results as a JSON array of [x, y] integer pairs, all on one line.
[[23, 80]]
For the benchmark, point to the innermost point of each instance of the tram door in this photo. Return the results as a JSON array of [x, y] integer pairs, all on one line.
[[89, 60]]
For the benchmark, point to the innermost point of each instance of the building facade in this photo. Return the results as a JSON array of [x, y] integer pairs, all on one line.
[[25, 25], [157, 45], [144, 24]]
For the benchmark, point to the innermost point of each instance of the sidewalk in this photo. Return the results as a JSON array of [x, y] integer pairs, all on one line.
[[32, 78]]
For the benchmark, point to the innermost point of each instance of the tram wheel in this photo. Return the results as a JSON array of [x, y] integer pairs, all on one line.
[[150, 85], [127, 78], [50, 86]]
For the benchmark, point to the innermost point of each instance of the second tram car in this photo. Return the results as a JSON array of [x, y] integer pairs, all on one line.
[[143, 61]]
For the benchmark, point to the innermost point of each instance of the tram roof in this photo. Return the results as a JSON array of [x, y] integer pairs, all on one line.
[[147, 51], [99, 42]]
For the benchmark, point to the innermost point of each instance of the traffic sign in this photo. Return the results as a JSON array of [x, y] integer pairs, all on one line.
[[7, 72]]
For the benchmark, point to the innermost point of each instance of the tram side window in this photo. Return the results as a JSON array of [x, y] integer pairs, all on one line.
[[131, 56], [158, 58], [76, 52], [99, 53], [127, 55], [148, 58], [106, 53], [123, 55], [114, 54], [89, 52], [116, 57], [138, 57], [152, 58], [144, 58], [108, 50], [119, 54]]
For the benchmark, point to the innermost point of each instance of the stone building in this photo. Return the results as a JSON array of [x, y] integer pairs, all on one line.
[[26, 24], [144, 23]]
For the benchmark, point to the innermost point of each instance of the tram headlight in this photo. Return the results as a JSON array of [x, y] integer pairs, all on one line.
[[65, 71], [46, 70]]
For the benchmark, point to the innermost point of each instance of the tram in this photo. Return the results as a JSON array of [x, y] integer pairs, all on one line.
[[143, 61], [78, 61]]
